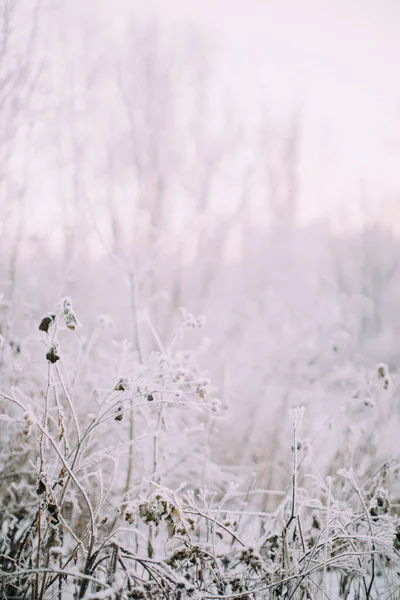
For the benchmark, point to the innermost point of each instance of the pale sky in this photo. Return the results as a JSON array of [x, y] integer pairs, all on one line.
[[338, 60], [333, 61]]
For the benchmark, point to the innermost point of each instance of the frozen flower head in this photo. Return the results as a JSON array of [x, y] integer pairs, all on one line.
[[53, 353], [202, 387], [382, 370], [369, 401], [122, 384], [69, 316], [28, 422], [46, 322], [130, 513], [215, 405], [382, 373], [380, 503], [190, 321], [56, 553]]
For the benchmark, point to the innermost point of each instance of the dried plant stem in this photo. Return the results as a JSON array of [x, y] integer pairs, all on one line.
[[70, 404], [40, 474], [134, 310], [294, 478]]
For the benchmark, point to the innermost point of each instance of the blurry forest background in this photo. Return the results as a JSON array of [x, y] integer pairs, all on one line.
[[132, 182]]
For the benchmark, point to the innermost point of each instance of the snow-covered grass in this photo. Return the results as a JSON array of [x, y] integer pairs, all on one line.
[[122, 478]]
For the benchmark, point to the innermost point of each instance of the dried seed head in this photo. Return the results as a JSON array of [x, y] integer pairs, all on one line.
[[215, 405], [120, 415], [61, 426], [382, 371], [69, 315], [380, 503], [46, 321], [52, 354], [370, 402], [130, 515], [53, 511], [41, 487], [29, 420], [190, 321], [121, 385], [56, 552]]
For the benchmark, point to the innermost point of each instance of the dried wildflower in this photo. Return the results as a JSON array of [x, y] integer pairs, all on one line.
[[159, 509], [203, 387], [226, 561], [61, 476], [70, 318], [56, 552], [251, 558], [53, 510], [28, 423], [46, 321], [60, 423], [52, 354], [63, 473], [120, 415], [271, 547], [215, 405], [387, 383], [121, 385], [369, 401], [41, 487], [383, 375], [187, 318], [379, 504], [130, 514], [382, 371], [237, 585], [182, 374], [190, 321]]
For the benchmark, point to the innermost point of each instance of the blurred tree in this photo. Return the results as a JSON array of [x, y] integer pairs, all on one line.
[[21, 67]]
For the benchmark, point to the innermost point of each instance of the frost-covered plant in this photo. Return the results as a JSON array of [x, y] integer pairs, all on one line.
[[184, 527], [70, 489]]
